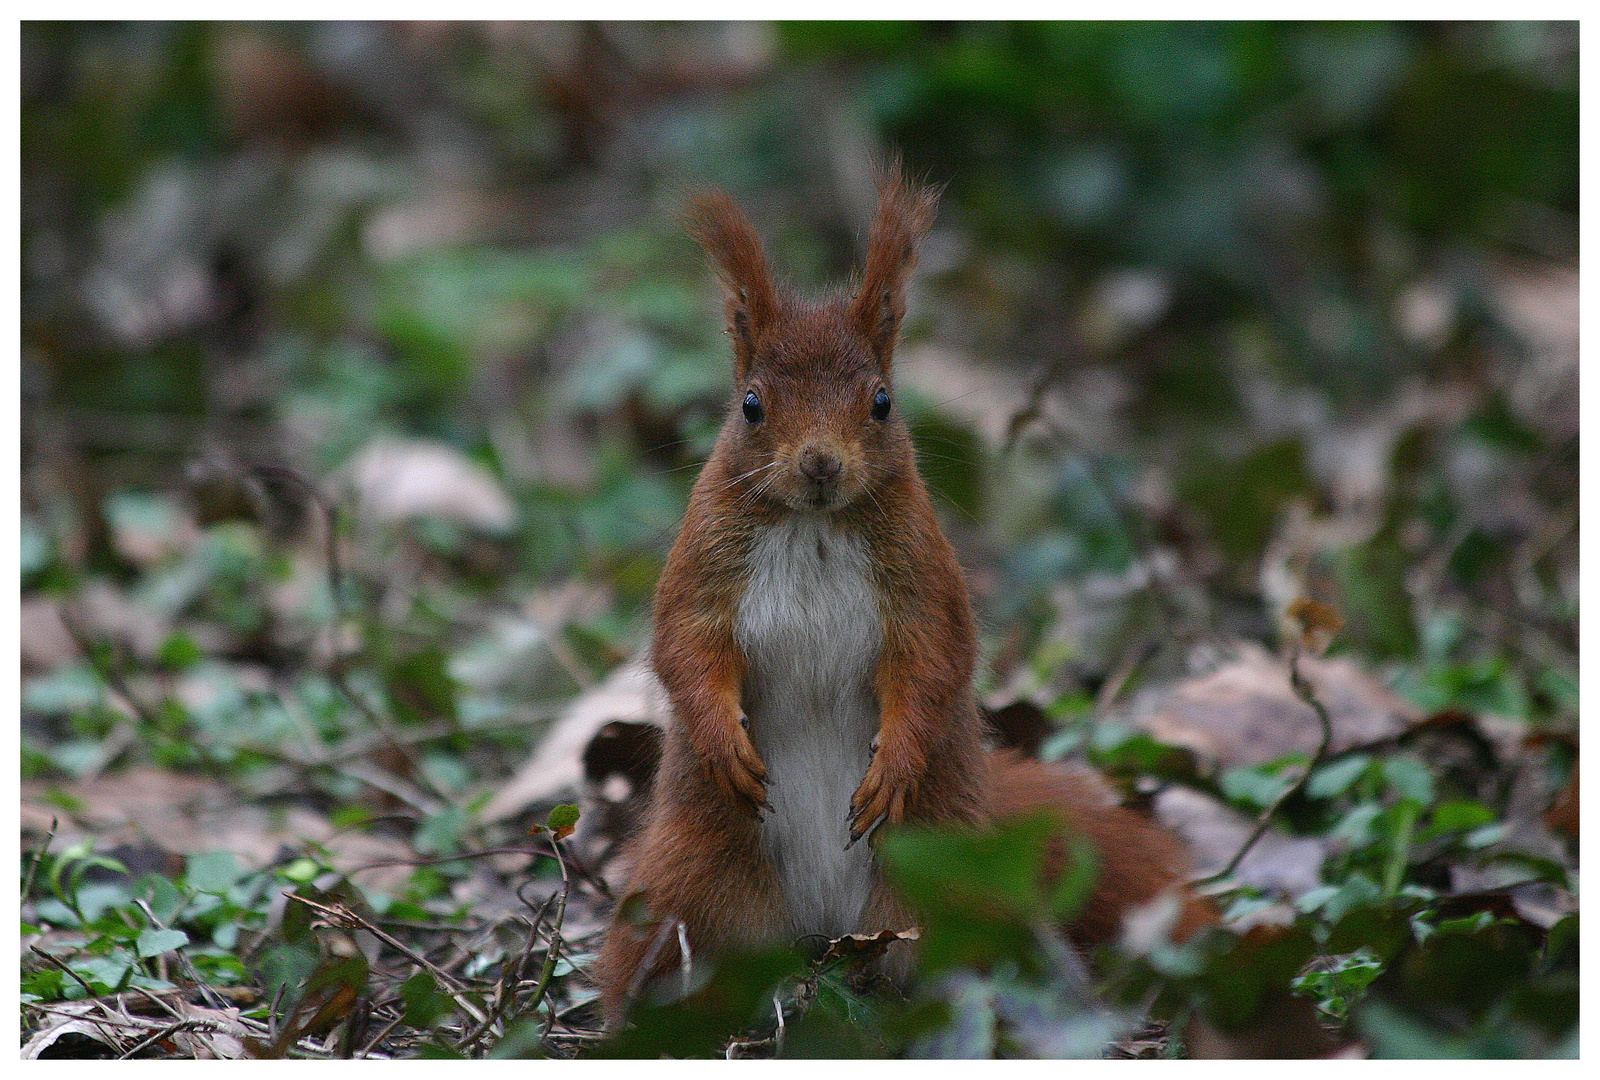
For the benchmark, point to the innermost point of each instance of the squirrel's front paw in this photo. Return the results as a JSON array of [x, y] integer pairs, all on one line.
[[884, 791], [738, 770]]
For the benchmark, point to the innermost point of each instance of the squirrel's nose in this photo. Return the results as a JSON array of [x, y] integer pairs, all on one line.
[[819, 465]]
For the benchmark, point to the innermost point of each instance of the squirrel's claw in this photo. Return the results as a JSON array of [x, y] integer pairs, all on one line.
[[739, 771], [877, 800], [867, 835]]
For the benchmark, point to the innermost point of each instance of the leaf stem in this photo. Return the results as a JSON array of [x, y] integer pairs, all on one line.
[[1303, 691]]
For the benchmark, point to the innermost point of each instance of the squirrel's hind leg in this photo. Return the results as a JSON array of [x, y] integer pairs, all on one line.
[[683, 893]]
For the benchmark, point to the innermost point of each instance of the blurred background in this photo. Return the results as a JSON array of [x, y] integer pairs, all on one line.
[[1214, 317]]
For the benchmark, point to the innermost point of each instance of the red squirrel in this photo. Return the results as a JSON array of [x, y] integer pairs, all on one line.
[[816, 642]]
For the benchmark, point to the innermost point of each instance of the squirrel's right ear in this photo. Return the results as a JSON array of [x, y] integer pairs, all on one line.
[[718, 225]]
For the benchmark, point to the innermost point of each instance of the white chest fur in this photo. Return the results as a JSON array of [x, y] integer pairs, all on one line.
[[810, 631]]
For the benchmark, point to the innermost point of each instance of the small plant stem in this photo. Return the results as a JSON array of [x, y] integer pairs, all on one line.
[[554, 949], [206, 992], [38, 860], [1303, 691]]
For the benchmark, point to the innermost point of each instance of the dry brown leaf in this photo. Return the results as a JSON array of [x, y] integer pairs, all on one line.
[[1246, 714], [868, 946], [395, 479], [1277, 864], [184, 1030], [629, 693], [1562, 813], [46, 641], [1316, 623], [64, 1026]]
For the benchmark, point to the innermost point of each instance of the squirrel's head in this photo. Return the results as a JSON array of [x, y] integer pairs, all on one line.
[[813, 423]]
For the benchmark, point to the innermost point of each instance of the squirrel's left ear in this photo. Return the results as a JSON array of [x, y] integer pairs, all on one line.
[[905, 213]]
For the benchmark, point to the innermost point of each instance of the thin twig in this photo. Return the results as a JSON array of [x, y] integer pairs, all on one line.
[[1111, 689], [60, 964], [335, 572], [509, 980], [1303, 691], [390, 784], [192, 1024], [156, 1000], [1034, 406], [343, 917], [554, 949], [382, 1035]]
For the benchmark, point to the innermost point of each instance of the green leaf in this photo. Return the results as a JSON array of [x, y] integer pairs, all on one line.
[[740, 989], [1261, 963], [1457, 816], [1120, 749], [998, 867], [104, 973], [71, 689], [166, 899], [1312, 899], [980, 891], [212, 872], [1380, 931], [562, 818], [155, 942], [1357, 891], [1341, 983], [423, 1002], [1410, 778], [1253, 787], [179, 652], [421, 687], [45, 984], [301, 870], [440, 833], [1337, 777], [1356, 827], [35, 548]]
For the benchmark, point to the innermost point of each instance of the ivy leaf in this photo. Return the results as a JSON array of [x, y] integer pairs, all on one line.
[[1410, 778], [155, 942], [1253, 787], [1337, 777], [212, 872]]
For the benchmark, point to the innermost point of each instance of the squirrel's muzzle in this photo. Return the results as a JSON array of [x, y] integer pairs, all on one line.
[[819, 465]]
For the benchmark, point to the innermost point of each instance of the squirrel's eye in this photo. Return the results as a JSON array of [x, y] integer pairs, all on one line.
[[753, 412], [880, 405]]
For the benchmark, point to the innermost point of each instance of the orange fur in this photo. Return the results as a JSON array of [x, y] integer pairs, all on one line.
[[816, 371]]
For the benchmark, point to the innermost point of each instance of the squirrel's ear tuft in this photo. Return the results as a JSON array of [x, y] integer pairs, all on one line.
[[905, 213], [718, 225]]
